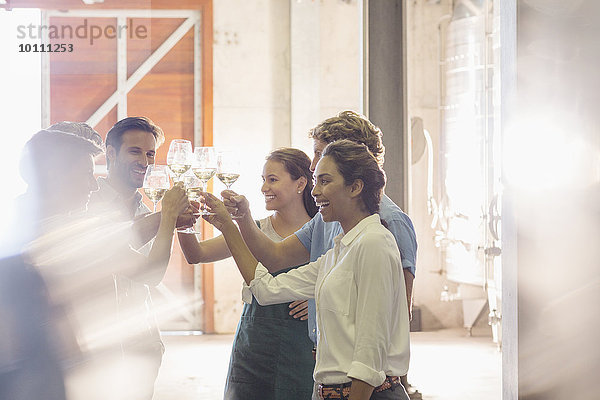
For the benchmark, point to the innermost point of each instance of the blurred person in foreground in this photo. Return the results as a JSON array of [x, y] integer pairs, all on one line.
[[59, 170], [317, 236], [77, 255], [131, 146]]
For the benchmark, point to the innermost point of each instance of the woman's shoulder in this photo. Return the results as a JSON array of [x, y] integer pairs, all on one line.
[[376, 236]]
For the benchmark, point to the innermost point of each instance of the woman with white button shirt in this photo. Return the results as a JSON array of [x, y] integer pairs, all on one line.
[[362, 314]]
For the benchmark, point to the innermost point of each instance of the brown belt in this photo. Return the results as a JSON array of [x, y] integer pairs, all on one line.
[[342, 391]]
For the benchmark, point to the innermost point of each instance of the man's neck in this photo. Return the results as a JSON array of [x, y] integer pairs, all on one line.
[[125, 191]]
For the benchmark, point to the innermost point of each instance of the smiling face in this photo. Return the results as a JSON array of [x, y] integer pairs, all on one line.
[[129, 163], [278, 186], [332, 195]]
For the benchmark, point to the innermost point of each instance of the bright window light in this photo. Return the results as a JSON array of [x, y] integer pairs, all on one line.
[[542, 153], [20, 102]]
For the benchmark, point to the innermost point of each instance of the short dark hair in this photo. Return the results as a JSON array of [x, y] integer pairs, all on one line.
[[355, 161], [297, 164], [352, 126], [114, 137], [50, 150]]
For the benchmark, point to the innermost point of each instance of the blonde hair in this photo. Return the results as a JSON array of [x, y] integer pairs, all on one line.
[[352, 126]]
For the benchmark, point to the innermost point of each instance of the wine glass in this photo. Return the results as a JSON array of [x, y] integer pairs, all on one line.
[[179, 157], [228, 168], [156, 183], [193, 188], [204, 167]]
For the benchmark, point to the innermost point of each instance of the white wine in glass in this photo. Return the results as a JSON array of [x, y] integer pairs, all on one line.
[[228, 178], [193, 189], [228, 168], [204, 164], [156, 183], [204, 174], [155, 194], [204, 167], [179, 157]]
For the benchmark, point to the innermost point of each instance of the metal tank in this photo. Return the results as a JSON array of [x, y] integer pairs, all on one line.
[[468, 213]]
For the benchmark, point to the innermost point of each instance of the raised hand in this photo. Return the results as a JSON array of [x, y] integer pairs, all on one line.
[[237, 204], [220, 216], [188, 218], [175, 201]]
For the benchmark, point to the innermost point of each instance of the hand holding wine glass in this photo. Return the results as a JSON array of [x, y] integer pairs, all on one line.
[[218, 216], [156, 183], [193, 188], [175, 202], [237, 204], [179, 157]]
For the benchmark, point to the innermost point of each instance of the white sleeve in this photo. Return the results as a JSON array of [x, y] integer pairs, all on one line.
[[377, 276], [297, 284]]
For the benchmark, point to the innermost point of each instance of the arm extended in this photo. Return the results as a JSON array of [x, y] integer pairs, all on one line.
[[294, 285], [206, 251], [273, 255], [151, 269], [146, 226]]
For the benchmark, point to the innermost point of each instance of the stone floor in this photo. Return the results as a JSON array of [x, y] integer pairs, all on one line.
[[445, 365]]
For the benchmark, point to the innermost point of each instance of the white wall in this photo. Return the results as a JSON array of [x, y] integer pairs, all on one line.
[[255, 79], [422, 76]]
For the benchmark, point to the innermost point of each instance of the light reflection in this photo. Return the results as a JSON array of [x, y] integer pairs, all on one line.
[[79, 257], [20, 76], [542, 152]]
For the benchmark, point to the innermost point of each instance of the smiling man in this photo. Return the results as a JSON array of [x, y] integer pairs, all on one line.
[[130, 147]]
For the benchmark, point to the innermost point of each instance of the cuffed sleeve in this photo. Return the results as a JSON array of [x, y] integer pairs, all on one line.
[[366, 374], [246, 291]]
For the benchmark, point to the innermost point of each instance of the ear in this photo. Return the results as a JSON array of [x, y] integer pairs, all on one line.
[[111, 154], [301, 184], [356, 188]]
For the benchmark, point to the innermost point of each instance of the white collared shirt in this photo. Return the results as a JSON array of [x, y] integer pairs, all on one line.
[[362, 313]]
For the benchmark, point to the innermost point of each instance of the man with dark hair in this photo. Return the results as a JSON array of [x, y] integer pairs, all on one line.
[[317, 236], [130, 147], [114, 137]]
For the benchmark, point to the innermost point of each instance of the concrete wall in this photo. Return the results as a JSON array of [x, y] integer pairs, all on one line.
[[423, 19], [276, 63], [297, 63]]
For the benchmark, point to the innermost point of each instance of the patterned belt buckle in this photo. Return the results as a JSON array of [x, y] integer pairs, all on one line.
[[326, 392]]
